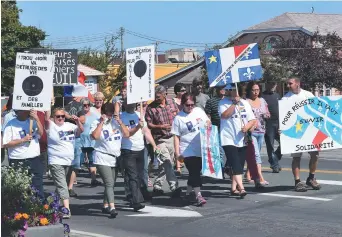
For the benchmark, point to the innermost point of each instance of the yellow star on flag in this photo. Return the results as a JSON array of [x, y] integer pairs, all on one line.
[[213, 59], [299, 127]]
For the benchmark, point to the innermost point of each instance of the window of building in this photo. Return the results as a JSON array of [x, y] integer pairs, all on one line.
[[328, 93]]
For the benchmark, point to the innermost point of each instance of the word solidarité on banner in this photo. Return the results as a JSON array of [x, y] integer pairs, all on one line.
[[65, 68], [211, 160], [33, 81], [140, 74], [313, 124]]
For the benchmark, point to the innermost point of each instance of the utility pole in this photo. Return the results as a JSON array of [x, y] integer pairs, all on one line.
[[157, 43], [122, 31]]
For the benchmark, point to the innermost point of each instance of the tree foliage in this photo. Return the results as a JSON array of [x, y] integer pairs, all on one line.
[[14, 36], [316, 59], [100, 60]]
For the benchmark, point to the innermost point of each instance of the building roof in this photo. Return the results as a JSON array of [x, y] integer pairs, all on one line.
[[305, 22], [88, 71], [188, 78], [324, 23]]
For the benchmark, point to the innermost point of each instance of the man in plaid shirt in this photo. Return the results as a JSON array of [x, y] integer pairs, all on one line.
[[159, 117]]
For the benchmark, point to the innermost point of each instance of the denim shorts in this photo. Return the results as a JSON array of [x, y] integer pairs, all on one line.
[[76, 163]]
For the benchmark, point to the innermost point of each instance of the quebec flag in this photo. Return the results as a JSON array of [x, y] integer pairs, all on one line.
[[235, 64]]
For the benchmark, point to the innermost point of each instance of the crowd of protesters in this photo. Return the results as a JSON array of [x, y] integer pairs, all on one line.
[[118, 137]]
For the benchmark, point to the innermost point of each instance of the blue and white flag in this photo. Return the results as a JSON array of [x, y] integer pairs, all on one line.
[[235, 64]]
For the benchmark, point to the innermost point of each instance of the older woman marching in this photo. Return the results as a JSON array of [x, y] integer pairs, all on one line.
[[187, 142], [87, 144], [108, 132], [237, 119], [61, 142]]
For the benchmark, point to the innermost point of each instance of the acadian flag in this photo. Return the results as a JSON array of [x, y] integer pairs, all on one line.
[[235, 64]]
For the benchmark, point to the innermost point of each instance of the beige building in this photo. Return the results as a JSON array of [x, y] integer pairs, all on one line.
[[183, 55], [268, 33]]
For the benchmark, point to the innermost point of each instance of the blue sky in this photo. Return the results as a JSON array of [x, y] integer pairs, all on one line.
[[189, 22]]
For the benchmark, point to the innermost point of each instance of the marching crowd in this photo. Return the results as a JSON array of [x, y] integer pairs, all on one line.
[[118, 137]]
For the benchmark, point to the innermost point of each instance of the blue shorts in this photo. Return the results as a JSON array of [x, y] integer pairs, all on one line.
[[89, 152], [76, 163]]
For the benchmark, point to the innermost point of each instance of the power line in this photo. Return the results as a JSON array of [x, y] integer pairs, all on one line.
[[172, 41]]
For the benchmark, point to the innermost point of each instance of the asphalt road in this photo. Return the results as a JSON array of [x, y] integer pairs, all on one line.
[[277, 211]]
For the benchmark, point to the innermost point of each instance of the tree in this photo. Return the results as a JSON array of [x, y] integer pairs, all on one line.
[[100, 60], [316, 59], [13, 37]]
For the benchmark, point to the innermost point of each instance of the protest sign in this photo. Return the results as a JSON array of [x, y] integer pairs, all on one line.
[[33, 81], [140, 74], [312, 124], [65, 69], [211, 160]]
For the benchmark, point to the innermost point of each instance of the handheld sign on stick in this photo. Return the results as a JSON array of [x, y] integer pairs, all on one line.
[[140, 74], [33, 81]]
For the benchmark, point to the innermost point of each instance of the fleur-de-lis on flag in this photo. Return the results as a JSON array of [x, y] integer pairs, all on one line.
[[249, 73]]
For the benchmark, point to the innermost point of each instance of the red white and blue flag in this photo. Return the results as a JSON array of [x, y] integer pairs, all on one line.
[[235, 64]]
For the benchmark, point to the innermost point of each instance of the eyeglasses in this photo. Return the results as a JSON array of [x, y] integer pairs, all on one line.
[[182, 90], [189, 105], [86, 105], [98, 100], [60, 116]]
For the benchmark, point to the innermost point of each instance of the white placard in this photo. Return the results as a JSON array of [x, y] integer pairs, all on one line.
[[140, 74], [312, 124], [33, 83]]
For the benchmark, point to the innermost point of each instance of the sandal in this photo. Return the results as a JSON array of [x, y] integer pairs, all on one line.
[[242, 193], [234, 193]]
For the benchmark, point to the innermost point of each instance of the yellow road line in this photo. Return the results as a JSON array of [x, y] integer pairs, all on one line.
[[306, 170]]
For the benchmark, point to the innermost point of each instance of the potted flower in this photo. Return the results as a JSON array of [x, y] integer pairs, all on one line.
[[24, 212]]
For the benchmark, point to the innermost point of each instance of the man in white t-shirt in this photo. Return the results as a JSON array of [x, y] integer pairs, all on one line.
[[132, 152], [23, 145], [293, 83]]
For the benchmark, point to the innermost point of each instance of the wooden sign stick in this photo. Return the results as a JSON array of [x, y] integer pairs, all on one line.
[[31, 126]]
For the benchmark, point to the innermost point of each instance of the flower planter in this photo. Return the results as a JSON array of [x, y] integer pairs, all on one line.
[[44, 231]]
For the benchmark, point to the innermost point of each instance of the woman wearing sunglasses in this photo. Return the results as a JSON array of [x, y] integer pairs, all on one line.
[[187, 142], [87, 143], [107, 133], [61, 142]]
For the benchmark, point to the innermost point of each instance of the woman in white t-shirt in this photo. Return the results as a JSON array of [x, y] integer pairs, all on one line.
[[187, 140], [61, 144], [237, 118], [107, 133]]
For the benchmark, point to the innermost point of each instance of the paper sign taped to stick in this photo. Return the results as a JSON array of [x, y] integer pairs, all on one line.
[[211, 160], [140, 74], [33, 81], [313, 124]]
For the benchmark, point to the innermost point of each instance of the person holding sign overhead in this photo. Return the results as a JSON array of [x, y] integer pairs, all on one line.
[[237, 118], [187, 141], [132, 153], [107, 133], [293, 83], [23, 144], [61, 142]]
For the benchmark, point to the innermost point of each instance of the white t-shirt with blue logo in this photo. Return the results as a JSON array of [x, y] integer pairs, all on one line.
[[61, 143], [108, 146], [187, 127], [16, 129], [135, 142], [231, 133]]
